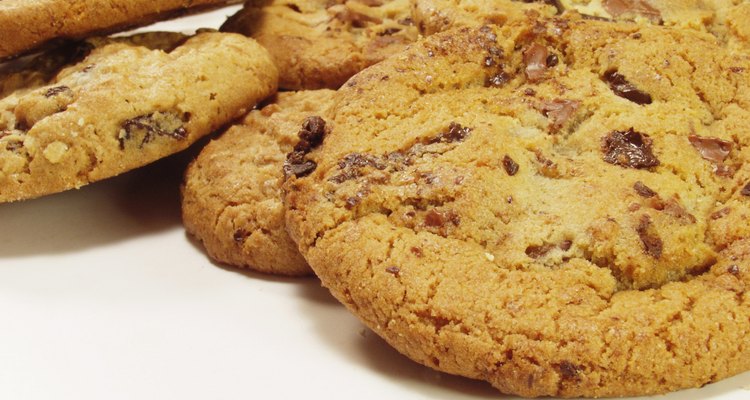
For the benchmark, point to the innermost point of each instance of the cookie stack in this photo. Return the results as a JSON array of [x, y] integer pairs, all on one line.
[[553, 197]]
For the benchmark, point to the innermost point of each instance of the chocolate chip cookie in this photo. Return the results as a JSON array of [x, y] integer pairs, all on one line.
[[28, 24], [321, 43], [105, 106], [231, 197], [557, 206], [728, 20]]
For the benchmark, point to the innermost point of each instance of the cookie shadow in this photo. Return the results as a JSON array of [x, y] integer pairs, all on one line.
[[137, 203], [376, 354]]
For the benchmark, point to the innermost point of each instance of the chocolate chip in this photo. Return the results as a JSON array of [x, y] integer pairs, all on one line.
[[673, 208], [721, 213], [455, 133], [497, 80], [511, 167], [300, 169], [417, 251], [733, 269], [565, 245], [652, 244], [152, 125], [294, 7], [568, 370], [711, 148], [311, 135], [625, 89], [529, 92], [396, 271], [389, 31], [558, 111], [240, 235], [439, 219], [737, 70], [552, 60], [643, 190], [535, 58], [639, 7], [539, 251], [745, 190], [629, 149], [54, 91]]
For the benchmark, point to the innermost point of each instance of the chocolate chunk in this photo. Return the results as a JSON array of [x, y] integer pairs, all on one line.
[[299, 170], [652, 244], [439, 219], [558, 111], [617, 8], [240, 235], [396, 271], [629, 149], [511, 167], [539, 251], [311, 135], [552, 60], [746, 190], [54, 91], [643, 190], [389, 31], [625, 89], [535, 58], [455, 133], [568, 370], [150, 126], [711, 148], [721, 213], [673, 208], [497, 80]]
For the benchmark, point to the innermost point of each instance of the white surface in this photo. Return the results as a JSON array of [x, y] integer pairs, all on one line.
[[103, 296]]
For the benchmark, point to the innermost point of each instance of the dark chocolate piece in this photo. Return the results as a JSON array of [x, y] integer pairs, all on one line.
[[652, 244], [643, 190], [629, 149], [535, 58], [625, 89], [511, 167]]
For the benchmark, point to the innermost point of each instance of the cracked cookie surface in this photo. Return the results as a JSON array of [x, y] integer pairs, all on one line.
[[321, 43], [231, 197], [28, 24], [557, 206], [78, 115]]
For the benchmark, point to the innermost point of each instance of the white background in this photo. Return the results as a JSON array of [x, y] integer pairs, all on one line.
[[103, 296]]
